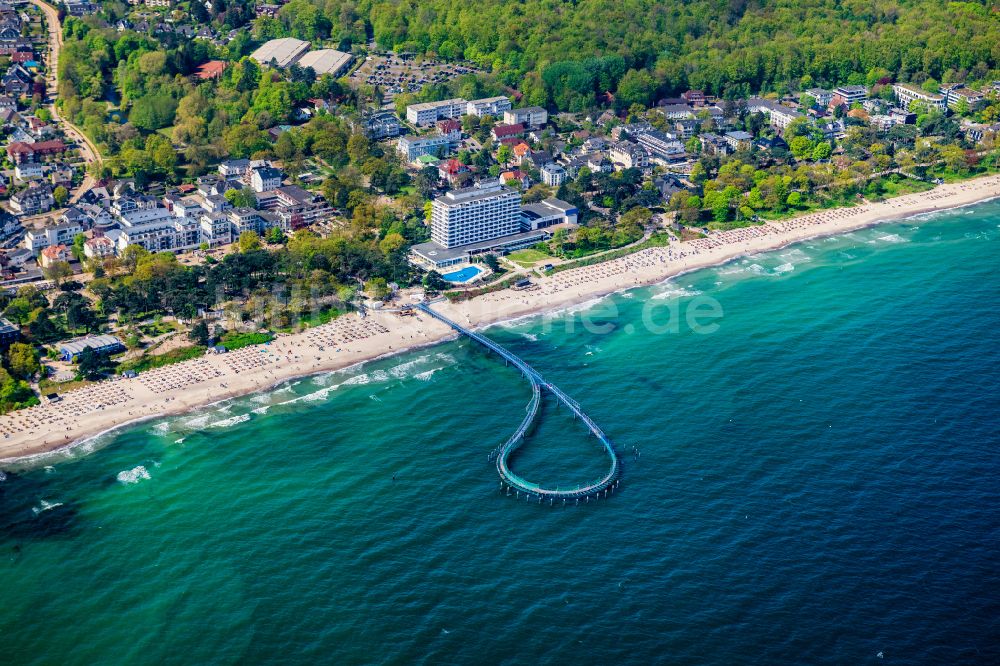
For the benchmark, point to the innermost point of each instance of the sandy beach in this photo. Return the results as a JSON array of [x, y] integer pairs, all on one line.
[[351, 339]]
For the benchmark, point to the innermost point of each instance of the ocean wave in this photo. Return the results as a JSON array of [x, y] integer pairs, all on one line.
[[533, 337], [196, 422], [427, 374], [784, 268], [887, 238], [45, 506], [755, 268], [675, 292], [162, 427], [134, 475], [795, 256], [231, 421], [402, 370]]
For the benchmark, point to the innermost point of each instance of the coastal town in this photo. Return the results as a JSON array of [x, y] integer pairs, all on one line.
[[213, 204]]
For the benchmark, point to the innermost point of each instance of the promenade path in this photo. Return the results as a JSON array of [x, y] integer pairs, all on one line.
[[510, 481]]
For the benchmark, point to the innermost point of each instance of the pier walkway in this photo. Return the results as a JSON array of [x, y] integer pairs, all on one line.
[[511, 482]]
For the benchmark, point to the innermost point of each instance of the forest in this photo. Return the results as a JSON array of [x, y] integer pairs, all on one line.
[[563, 54]]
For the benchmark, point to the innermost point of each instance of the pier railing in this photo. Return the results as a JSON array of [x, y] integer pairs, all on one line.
[[510, 481]]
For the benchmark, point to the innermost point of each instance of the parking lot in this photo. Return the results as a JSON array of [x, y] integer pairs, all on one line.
[[395, 74]]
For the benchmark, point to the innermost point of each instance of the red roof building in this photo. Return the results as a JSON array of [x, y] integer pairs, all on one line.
[[212, 69], [501, 132], [20, 152]]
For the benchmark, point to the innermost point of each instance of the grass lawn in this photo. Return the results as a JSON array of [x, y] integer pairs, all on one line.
[[233, 341], [314, 319], [47, 386], [150, 361], [528, 258]]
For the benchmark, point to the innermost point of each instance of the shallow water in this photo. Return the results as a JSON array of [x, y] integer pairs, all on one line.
[[817, 482]]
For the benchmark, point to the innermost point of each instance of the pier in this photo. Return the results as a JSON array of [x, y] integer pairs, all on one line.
[[510, 482]]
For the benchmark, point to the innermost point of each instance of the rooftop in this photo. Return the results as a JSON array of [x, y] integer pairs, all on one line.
[[283, 51], [325, 61]]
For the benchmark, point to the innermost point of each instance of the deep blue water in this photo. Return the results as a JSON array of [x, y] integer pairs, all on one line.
[[818, 483]]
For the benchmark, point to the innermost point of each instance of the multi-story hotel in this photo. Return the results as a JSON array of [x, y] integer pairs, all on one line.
[[483, 212]]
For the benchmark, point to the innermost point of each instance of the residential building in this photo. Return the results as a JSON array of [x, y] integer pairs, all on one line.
[[296, 208], [738, 140], [37, 198], [822, 96], [265, 178], [452, 170], [428, 113], [20, 151], [98, 248], [713, 144], [28, 171], [529, 116], [778, 115], [37, 240], [675, 111], [553, 174], [686, 127], [907, 94], [157, 230], [501, 132], [852, 94], [489, 106], [54, 254], [384, 125], [450, 128], [234, 168], [629, 155], [957, 94], [211, 70], [412, 147], [483, 212], [216, 229], [694, 97], [661, 147]]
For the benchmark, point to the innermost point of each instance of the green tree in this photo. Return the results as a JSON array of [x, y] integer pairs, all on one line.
[[57, 271], [14, 393], [91, 365], [801, 147], [504, 154], [822, 151], [23, 360], [241, 198], [275, 236], [61, 195], [636, 87], [199, 333], [249, 241]]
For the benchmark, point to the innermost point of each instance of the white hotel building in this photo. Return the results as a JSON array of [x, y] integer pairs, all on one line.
[[428, 113], [474, 214]]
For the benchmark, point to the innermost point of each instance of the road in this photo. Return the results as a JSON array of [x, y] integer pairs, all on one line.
[[88, 150]]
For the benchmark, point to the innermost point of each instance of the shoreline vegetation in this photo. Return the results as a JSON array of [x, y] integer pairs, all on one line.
[[349, 340]]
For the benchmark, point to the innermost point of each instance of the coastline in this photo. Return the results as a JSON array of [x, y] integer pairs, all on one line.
[[90, 412]]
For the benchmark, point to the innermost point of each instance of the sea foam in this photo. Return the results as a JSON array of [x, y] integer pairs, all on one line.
[[134, 475]]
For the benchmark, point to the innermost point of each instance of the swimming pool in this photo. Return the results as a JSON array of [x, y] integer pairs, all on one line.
[[467, 274]]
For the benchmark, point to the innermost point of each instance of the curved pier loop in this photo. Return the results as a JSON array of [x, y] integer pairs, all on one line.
[[511, 482]]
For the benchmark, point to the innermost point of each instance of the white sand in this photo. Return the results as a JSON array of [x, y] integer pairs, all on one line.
[[350, 339]]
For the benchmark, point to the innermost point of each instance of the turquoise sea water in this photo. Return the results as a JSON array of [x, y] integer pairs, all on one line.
[[817, 483]]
